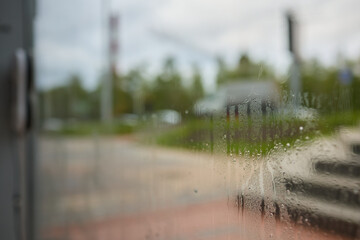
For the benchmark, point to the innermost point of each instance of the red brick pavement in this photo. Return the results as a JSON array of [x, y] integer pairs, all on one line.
[[217, 220]]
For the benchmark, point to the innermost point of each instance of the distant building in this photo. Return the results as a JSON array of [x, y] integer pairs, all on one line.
[[251, 95]]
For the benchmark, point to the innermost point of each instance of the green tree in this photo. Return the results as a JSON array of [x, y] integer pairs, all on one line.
[[122, 100], [245, 69], [67, 101], [168, 89], [322, 89], [197, 89], [78, 98]]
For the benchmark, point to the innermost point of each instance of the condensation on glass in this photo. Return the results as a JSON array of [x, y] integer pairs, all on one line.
[[155, 154]]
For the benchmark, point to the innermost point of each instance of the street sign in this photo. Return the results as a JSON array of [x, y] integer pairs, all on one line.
[[345, 76]]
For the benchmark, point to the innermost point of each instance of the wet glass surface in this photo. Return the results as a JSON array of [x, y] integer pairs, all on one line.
[[149, 130]]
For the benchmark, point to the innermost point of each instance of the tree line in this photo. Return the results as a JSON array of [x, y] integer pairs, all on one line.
[[140, 93]]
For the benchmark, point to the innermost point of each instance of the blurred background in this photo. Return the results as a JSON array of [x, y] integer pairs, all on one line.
[[197, 119], [152, 51]]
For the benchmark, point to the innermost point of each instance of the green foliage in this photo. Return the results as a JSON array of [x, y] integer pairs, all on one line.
[[197, 89], [142, 93], [245, 69], [71, 100], [91, 128], [194, 134], [252, 136], [167, 91], [322, 89], [330, 122], [247, 135], [122, 98]]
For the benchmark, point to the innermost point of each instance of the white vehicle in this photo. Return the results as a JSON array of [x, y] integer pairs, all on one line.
[[168, 116]]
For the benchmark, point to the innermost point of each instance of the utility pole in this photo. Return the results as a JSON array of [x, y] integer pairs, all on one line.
[[113, 42], [110, 29], [113, 49], [293, 41]]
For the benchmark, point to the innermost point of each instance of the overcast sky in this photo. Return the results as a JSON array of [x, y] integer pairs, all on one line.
[[70, 37]]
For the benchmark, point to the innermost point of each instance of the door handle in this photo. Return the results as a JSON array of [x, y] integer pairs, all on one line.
[[19, 91]]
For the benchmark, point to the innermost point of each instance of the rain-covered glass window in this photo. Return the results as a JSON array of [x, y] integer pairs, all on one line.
[[194, 119]]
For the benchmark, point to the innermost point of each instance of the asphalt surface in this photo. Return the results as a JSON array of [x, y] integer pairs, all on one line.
[[115, 188]]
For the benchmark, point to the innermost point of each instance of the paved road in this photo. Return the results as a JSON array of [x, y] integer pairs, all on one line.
[[82, 179], [114, 188]]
